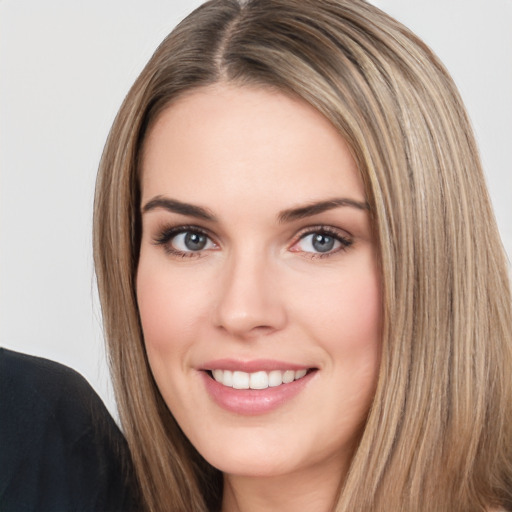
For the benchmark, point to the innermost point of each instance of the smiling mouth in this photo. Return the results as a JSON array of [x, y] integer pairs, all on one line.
[[257, 380]]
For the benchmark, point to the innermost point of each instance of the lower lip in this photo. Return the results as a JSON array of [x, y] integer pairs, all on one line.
[[251, 402]]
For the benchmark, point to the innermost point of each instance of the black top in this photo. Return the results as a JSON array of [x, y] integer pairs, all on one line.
[[60, 450]]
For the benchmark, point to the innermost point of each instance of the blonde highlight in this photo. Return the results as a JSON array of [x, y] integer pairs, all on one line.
[[438, 436]]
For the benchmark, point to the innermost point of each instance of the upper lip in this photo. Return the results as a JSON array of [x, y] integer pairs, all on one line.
[[251, 366]]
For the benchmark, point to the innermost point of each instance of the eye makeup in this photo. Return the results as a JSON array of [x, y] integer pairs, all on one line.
[[320, 241], [185, 241]]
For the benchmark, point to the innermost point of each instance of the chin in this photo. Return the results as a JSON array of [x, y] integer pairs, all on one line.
[[240, 464], [266, 450]]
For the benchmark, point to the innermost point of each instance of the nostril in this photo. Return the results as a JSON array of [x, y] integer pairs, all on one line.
[[244, 330]]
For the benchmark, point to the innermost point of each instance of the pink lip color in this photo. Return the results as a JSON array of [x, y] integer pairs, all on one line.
[[251, 402]]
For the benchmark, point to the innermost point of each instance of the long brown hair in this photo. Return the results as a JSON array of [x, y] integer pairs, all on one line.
[[439, 434]]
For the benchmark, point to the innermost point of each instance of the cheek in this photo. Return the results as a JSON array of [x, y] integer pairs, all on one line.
[[346, 310], [154, 307], [363, 306], [168, 307], [356, 340]]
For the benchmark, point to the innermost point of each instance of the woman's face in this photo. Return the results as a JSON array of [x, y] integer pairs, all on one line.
[[257, 284]]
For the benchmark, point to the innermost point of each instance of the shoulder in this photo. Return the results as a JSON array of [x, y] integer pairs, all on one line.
[[59, 446], [36, 378], [37, 392]]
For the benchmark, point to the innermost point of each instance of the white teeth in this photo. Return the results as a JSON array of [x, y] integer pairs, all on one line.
[[300, 373], [288, 376], [256, 380], [275, 378], [227, 378], [240, 380]]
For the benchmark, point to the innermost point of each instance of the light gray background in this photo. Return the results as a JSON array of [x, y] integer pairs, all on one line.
[[65, 67]]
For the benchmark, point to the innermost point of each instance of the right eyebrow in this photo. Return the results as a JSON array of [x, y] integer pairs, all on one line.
[[175, 206]]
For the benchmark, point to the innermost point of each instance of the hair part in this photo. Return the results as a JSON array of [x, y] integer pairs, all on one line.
[[438, 436]]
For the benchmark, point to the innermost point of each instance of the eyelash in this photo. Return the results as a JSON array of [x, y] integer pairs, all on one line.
[[168, 233], [165, 236], [344, 241]]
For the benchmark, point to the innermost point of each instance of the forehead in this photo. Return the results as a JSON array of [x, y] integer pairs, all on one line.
[[255, 142]]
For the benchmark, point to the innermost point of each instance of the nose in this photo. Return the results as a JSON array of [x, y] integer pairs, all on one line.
[[249, 300]]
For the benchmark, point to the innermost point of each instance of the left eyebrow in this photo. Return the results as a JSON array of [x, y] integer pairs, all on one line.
[[308, 210]]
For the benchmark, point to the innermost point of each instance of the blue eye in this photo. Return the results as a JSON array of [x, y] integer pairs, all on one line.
[[184, 242], [190, 241], [321, 242]]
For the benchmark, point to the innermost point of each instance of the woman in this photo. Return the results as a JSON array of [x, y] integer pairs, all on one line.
[[304, 293]]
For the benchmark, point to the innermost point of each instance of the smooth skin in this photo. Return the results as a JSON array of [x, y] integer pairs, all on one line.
[[246, 270]]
